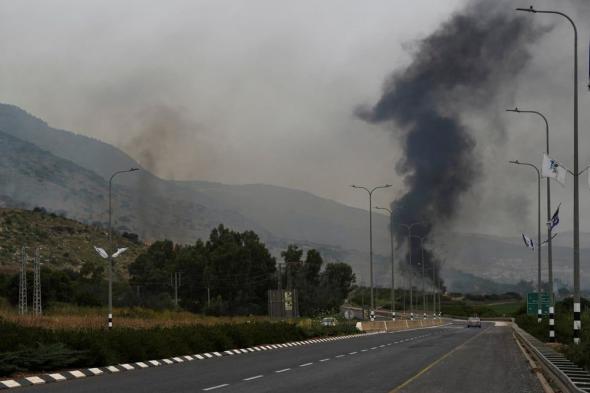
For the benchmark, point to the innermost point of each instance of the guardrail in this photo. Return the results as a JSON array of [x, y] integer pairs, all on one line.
[[568, 376]]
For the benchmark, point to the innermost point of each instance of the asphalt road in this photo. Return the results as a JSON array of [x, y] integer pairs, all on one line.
[[456, 359]]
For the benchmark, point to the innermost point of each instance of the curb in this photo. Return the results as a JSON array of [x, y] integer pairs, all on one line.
[[94, 371]]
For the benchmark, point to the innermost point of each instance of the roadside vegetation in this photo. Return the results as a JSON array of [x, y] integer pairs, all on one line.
[[229, 274], [221, 300], [505, 305], [39, 349], [579, 354]]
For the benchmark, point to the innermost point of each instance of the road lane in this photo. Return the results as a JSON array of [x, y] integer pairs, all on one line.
[[374, 363], [491, 363]]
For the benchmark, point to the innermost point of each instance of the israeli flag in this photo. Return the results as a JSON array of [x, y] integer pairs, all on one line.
[[552, 168], [555, 219], [528, 241]]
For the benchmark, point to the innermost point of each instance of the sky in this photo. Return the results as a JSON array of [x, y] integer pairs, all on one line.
[[266, 91]]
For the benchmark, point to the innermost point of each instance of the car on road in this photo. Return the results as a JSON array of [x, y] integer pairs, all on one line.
[[328, 321], [474, 322]]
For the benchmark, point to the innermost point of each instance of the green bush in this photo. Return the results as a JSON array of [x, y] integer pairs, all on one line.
[[39, 358], [55, 349]]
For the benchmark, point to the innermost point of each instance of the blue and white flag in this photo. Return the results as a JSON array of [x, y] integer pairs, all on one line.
[[555, 219], [552, 168], [528, 241]]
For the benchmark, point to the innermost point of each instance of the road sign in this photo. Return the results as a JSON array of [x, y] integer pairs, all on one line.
[[532, 303], [348, 314]]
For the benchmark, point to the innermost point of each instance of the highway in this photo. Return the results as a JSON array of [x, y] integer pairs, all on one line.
[[443, 359]]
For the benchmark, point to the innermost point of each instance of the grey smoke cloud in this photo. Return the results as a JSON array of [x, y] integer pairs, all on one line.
[[475, 54], [264, 91]]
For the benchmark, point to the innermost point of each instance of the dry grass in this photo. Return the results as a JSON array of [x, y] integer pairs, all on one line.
[[135, 318]]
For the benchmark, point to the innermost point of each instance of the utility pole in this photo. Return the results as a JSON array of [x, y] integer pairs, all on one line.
[[409, 228], [549, 235], [392, 261], [175, 283], [433, 289], [37, 306], [22, 286], [370, 192], [539, 311], [577, 320], [110, 248]]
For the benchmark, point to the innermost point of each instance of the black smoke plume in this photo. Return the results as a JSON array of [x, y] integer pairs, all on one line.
[[458, 68]]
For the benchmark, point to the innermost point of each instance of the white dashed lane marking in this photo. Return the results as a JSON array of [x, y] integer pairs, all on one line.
[[216, 387], [254, 377], [321, 360]]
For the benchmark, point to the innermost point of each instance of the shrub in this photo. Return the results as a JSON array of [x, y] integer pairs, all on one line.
[[60, 348]]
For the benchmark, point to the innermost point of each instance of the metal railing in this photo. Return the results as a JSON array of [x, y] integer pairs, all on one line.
[[561, 371]]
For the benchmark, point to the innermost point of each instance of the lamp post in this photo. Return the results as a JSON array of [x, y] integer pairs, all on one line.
[[577, 322], [409, 228], [549, 230], [392, 263], [422, 263], [539, 312], [110, 257], [370, 192]]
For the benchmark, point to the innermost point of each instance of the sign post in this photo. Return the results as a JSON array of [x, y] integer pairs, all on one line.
[[532, 303]]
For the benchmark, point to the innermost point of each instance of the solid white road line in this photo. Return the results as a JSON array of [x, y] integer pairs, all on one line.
[[254, 377], [216, 387]]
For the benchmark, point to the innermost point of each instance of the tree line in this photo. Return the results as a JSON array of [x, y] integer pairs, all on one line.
[[228, 274]]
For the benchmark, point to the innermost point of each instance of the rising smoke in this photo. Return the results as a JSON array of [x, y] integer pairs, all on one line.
[[458, 68]]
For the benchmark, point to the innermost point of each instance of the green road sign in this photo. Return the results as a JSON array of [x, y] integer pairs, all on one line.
[[532, 303]]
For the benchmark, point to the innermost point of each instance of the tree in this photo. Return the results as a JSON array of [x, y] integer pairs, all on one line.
[[151, 271], [336, 282], [240, 269], [292, 257]]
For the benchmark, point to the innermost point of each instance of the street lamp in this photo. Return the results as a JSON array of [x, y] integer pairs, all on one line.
[[423, 292], [109, 256], [370, 192], [577, 321], [549, 230], [539, 312], [392, 264], [409, 228]]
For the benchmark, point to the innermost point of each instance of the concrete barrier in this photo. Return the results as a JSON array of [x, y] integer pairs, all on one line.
[[392, 326]]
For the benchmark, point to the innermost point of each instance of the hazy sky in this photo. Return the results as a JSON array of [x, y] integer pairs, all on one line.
[[264, 91]]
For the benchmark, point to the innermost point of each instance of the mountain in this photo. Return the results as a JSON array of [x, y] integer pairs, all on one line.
[[68, 173], [63, 171]]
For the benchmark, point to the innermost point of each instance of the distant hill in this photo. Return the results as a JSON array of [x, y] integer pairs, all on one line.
[[64, 243], [68, 173]]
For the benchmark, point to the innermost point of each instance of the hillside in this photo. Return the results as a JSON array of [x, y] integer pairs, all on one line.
[[64, 243], [66, 172]]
